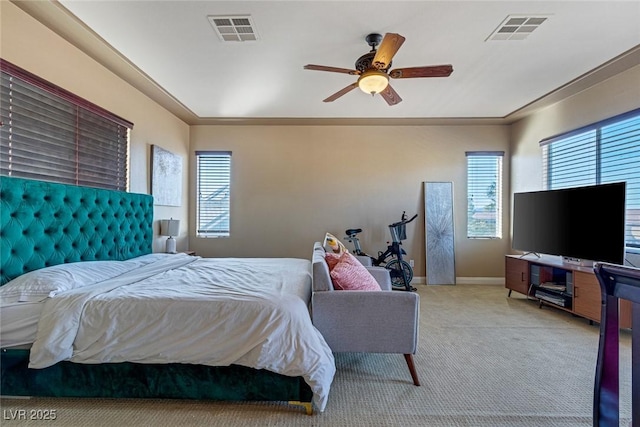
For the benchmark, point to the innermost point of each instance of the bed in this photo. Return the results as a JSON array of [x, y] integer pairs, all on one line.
[[88, 310]]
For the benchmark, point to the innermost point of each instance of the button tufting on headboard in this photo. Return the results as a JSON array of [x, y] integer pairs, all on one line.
[[44, 223]]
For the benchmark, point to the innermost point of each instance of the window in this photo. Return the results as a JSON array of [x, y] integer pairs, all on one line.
[[213, 176], [484, 194], [601, 153], [50, 134]]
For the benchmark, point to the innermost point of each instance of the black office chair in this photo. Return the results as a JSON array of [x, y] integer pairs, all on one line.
[[616, 281]]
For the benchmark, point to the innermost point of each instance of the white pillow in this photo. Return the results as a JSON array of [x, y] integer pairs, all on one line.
[[46, 282]]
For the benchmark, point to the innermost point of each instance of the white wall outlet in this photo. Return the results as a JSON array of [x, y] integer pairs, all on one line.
[[411, 263]]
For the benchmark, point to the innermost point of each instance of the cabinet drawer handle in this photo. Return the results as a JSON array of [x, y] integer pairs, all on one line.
[[522, 276]]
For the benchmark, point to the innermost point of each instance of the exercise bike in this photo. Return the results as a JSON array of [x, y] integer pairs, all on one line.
[[400, 271]]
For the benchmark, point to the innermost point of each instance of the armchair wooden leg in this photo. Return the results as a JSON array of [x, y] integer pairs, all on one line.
[[412, 369]]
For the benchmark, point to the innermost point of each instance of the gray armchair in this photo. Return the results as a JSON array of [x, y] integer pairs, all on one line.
[[365, 321]]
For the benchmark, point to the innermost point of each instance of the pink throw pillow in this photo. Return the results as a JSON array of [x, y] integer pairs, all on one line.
[[332, 259], [350, 275]]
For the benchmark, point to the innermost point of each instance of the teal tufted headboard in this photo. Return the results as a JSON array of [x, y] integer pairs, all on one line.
[[44, 224]]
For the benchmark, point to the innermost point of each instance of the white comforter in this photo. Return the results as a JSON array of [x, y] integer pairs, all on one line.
[[210, 311]]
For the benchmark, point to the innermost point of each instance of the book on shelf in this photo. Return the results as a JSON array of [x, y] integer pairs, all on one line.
[[553, 286], [562, 301]]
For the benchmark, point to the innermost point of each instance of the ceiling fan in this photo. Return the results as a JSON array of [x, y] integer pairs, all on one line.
[[373, 69]]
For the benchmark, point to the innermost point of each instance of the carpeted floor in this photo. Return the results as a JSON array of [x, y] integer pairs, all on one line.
[[483, 359]]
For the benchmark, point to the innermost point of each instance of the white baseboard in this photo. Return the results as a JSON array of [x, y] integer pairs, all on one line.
[[422, 280]]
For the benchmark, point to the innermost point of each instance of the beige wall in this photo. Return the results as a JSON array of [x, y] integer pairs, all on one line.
[[614, 96], [291, 184], [30, 45]]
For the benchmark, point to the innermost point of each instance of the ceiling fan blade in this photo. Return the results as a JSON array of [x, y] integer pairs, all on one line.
[[341, 92], [429, 71], [332, 69], [389, 46], [391, 96]]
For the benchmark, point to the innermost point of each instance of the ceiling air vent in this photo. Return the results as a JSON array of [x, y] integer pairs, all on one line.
[[235, 28], [516, 27]]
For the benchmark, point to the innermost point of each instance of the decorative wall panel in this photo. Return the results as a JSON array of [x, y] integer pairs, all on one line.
[[438, 218]]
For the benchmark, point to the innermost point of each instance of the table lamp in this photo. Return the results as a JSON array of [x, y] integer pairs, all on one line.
[[170, 227]]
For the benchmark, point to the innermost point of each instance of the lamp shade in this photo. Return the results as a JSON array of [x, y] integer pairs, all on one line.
[[169, 227], [373, 81]]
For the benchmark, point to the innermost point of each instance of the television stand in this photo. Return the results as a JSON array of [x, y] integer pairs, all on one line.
[[552, 282], [577, 261]]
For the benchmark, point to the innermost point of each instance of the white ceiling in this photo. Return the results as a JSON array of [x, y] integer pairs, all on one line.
[[174, 44]]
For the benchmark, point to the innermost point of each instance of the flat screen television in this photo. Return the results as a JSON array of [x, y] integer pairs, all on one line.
[[586, 223]]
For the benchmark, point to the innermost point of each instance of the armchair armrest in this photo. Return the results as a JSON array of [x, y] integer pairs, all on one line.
[[382, 276], [367, 321], [364, 260]]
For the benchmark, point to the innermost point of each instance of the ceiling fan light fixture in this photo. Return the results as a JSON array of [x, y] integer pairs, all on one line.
[[373, 81]]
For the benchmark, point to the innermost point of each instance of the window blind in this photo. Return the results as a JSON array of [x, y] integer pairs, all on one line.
[[214, 193], [484, 194], [50, 134], [601, 153]]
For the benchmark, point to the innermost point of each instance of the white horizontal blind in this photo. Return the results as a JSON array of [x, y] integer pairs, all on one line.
[[602, 153], [214, 193], [51, 137], [570, 162], [484, 194]]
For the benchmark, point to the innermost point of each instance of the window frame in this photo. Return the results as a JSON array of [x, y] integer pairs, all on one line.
[[587, 149], [76, 142], [220, 184], [476, 177]]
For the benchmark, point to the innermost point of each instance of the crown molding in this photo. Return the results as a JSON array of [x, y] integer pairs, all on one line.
[[62, 22], [58, 19]]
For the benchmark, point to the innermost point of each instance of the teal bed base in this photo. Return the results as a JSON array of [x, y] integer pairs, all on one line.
[[136, 380], [44, 224]]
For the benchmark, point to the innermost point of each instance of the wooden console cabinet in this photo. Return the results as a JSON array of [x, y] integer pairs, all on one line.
[[582, 296]]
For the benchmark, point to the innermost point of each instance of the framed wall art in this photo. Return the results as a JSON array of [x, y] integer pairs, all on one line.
[[166, 177]]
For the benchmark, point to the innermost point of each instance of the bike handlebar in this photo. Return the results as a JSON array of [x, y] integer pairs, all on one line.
[[404, 221]]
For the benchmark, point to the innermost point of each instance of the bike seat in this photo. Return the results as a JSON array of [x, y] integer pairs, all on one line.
[[353, 231]]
